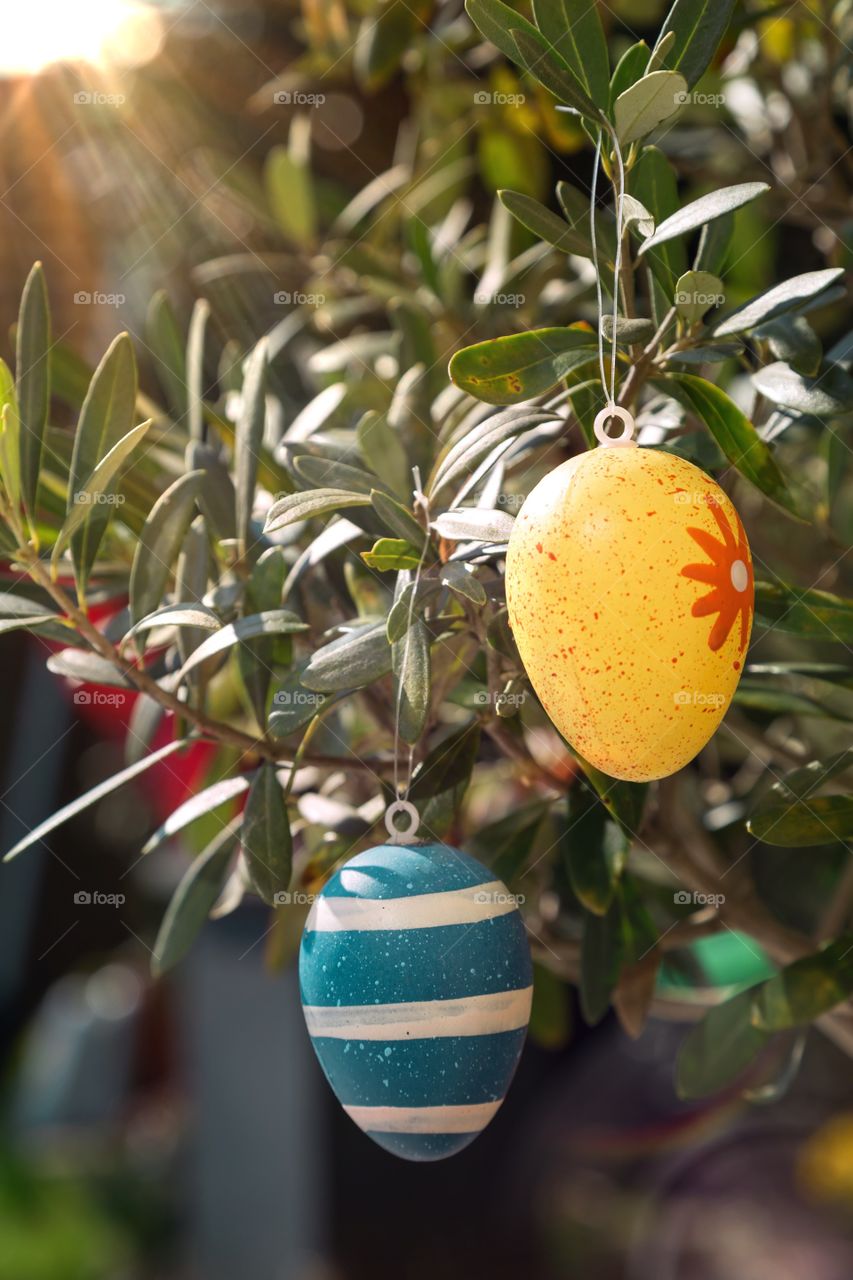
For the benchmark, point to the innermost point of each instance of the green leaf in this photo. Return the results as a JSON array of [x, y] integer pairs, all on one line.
[[307, 504], [440, 781], [389, 554], [536, 57], [815, 614], [106, 416], [32, 381], [549, 226], [166, 343], [696, 292], [657, 57], [601, 960], [826, 396], [522, 365], [216, 498], [10, 438], [596, 850], [792, 340], [98, 489], [351, 661], [699, 26], [753, 694], [290, 189], [160, 542], [629, 69], [704, 210], [735, 435], [265, 835], [472, 524], [647, 103], [719, 1048], [625, 801], [272, 622], [476, 444], [383, 452], [806, 989], [192, 902], [629, 329], [177, 615], [574, 29], [196, 387], [92, 797], [462, 579], [382, 40], [197, 806], [800, 783], [82, 664], [293, 705], [397, 518], [821, 820], [788, 296], [653, 181], [411, 668], [497, 21], [248, 440], [325, 472]]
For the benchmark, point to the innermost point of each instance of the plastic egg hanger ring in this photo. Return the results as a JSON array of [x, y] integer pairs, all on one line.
[[608, 414], [402, 808]]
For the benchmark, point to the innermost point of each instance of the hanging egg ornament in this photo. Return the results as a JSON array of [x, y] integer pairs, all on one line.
[[630, 594], [416, 978]]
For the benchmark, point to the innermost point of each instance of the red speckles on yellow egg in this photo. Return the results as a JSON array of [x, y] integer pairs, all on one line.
[[608, 579]]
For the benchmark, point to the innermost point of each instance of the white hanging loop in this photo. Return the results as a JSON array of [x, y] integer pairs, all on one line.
[[610, 413], [402, 835]]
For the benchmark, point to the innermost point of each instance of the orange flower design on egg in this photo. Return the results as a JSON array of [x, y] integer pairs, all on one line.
[[729, 575]]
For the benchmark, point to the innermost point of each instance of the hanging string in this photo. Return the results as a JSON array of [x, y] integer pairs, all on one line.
[[402, 805], [617, 268]]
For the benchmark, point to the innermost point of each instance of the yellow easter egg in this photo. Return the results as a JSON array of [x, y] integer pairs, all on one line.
[[630, 594]]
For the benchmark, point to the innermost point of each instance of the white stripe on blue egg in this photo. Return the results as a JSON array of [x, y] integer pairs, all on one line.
[[416, 986]]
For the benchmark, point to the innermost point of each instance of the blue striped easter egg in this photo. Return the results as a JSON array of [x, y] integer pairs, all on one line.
[[416, 986]]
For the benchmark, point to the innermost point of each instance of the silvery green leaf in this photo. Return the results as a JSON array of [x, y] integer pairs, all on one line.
[[791, 295], [248, 438], [193, 900], [98, 489], [696, 292], [464, 581], [826, 396], [470, 524], [32, 381], [704, 210], [352, 661], [265, 835], [411, 666], [198, 805], [647, 103], [80, 664], [160, 543], [628, 329], [272, 622], [309, 503]]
